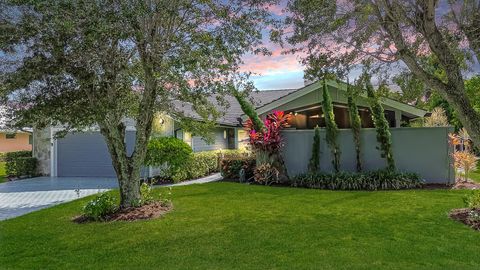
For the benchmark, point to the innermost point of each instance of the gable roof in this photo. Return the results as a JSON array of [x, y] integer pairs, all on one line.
[[341, 86]]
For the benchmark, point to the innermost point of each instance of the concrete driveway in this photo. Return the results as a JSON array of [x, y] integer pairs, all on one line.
[[24, 196]]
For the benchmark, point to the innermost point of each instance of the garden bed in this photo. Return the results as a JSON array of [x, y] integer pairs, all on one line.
[[148, 211], [468, 216]]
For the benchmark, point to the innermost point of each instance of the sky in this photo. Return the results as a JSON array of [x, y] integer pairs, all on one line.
[[280, 71]]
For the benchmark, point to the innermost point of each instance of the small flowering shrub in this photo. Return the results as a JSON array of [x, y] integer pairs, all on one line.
[[100, 207], [146, 193]]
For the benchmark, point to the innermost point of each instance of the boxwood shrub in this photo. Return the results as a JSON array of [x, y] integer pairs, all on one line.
[[20, 163], [373, 180]]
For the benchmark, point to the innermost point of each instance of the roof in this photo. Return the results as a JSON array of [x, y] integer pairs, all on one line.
[[232, 111], [266, 107]]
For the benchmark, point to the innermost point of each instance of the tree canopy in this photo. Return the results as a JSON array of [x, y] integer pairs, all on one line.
[[393, 33], [88, 63]]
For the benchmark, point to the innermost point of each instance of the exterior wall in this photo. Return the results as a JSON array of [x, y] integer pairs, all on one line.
[[42, 149], [421, 150], [20, 143], [220, 141]]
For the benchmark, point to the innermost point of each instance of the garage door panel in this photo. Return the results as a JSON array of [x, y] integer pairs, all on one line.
[[84, 154]]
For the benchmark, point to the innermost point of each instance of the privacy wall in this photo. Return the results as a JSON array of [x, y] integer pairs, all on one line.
[[421, 150]]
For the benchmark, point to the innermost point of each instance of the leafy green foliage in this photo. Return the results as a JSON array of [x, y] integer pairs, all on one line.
[[356, 123], [314, 164], [168, 152], [331, 128], [101, 62], [100, 207], [472, 200], [20, 163], [231, 168], [146, 193], [374, 180], [249, 110], [381, 126]]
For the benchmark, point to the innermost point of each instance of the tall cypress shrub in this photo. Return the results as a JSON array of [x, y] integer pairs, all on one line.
[[249, 110], [384, 137], [356, 123], [331, 128], [314, 164]]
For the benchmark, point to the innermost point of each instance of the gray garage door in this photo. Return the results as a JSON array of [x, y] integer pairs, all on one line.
[[86, 154]]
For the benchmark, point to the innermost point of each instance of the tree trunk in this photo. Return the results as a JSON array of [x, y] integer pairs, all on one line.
[[127, 171]]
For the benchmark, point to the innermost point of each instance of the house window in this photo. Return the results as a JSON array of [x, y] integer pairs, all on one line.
[[10, 136]]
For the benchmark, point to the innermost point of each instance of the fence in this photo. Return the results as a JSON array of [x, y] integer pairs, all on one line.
[[421, 150]]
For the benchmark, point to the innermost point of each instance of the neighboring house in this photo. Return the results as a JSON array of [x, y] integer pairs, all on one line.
[[85, 154], [12, 140]]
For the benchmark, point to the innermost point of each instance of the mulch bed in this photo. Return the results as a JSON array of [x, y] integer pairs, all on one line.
[[464, 215], [147, 211], [466, 185]]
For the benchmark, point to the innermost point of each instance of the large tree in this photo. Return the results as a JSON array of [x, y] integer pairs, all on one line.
[[342, 33], [87, 63]]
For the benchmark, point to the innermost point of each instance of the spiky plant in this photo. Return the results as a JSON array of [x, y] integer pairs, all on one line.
[[438, 118]]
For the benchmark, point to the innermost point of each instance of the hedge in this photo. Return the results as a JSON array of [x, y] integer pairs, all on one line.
[[373, 180], [2, 157], [204, 163], [20, 163], [231, 167]]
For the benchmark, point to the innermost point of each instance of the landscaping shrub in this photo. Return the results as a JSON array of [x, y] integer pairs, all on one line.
[[20, 163], [373, 180], [314, 163], [231, 167], [2, 157], [100, 207], [331, 135], [473, 199], [169, 153]]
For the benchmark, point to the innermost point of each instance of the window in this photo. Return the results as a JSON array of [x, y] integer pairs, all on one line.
[[30, 139], [10, 136]]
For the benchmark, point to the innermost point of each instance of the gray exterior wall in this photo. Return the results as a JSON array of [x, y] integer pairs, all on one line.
[[421, 150], [199, 145]]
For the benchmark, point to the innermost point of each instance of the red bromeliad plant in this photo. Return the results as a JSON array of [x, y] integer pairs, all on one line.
[[267, 144], [268, 140]]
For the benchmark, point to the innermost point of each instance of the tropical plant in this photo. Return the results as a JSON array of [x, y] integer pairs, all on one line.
[[438, 118], [266, 174], [314, 164], [384, 137], [356, 125], [331, 127], [464, 159], [267, 144]]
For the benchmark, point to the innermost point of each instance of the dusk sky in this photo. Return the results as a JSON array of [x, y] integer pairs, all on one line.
[[280, 71]]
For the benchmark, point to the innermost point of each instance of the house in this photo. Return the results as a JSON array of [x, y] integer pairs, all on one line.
[[85, 154], [14, 140]]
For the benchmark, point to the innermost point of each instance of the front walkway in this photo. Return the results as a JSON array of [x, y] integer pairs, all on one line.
[[24, 196]]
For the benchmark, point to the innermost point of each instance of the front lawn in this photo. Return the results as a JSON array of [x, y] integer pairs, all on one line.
[[235, 226], [2, 172]]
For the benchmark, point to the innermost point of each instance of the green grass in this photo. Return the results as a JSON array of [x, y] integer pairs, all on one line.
[[235, 226], [2, 172]]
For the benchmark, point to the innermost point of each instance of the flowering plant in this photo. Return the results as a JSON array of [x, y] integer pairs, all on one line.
[[269, 139], [464, 159]]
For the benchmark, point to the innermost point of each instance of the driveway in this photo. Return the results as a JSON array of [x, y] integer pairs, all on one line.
[[24, 196]]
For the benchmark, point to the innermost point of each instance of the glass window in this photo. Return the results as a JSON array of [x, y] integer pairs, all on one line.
[[10, 136]]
